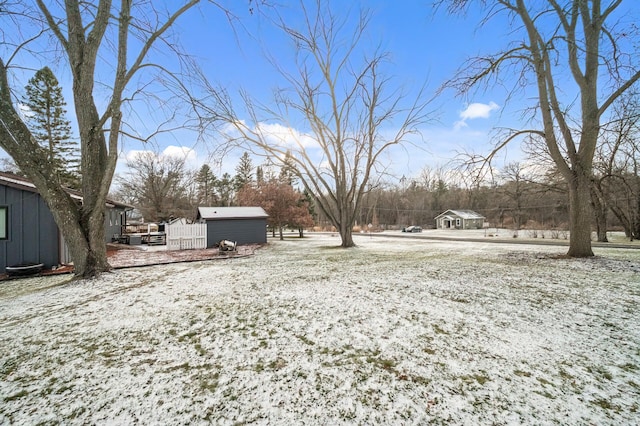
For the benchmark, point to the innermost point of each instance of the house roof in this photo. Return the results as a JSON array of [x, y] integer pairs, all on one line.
[[463, 214], [20, 182], [213, 213]]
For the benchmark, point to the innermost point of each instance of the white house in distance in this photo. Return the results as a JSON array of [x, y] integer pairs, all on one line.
[[460, 219]]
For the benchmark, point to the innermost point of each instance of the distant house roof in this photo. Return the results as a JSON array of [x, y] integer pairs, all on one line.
[[213, 213], [20, 182], [464, 214]]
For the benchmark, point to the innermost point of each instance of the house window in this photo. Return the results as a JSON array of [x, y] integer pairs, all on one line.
[[457, 222], [4, 212]]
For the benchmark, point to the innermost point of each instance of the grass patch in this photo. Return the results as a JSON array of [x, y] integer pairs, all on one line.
[[184, 366], [201, 351], [9, 366], [385, 364], [544, 381], [439, 330], [629, 367], [277, 364], [604, 404], [210, 383], [600, 371], [188, 335], [546, 394], [481, 379], [306, 340], [565, 375], [16, 396]]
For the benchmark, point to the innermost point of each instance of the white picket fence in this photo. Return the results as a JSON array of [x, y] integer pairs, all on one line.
[[186, 237]]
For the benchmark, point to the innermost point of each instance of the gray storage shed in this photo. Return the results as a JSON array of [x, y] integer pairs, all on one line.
[[245, 225], [28, 232]]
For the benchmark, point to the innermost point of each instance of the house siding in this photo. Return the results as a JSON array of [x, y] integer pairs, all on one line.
[[452, 219], [32, 232], [113, 221], [473, 223], [243, 231]]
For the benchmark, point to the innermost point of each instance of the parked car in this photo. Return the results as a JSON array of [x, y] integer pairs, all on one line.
[[412, 228]]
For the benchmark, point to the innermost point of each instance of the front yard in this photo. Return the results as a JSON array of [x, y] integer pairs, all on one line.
[[392, 332]]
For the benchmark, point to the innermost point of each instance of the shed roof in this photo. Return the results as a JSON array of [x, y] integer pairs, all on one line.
[[463, 214], [213, 213]]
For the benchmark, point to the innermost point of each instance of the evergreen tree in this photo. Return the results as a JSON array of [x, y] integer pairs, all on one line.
[[50, 128], [206, 186], [225, 187], [244, 171], [259, 175], [288, 170]]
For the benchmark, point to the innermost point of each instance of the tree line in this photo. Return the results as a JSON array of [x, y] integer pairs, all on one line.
[[162, 188]]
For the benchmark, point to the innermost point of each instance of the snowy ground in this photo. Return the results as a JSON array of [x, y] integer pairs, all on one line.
[[392, 332]]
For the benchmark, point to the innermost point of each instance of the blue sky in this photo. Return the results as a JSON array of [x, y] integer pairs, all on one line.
[[425, 46]]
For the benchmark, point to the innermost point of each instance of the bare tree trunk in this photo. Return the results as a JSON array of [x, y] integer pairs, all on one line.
[[600, 212], [636, 221], [580, 216], [624, 220], [346, 235], [82, 228]]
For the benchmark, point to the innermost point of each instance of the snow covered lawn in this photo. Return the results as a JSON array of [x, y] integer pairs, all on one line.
[[392, 332]]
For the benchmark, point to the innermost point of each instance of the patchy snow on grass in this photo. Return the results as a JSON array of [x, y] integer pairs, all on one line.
[[391, 332]]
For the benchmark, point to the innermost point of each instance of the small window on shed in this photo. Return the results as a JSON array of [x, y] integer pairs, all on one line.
[[4, 210]]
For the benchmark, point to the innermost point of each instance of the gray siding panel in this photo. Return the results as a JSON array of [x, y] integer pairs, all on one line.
[[33, 234], [244, 231], [113, 220]]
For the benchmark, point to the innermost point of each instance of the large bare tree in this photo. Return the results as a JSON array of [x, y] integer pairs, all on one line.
[[579, 57], [158, 185], [105, 47], [347, 112]]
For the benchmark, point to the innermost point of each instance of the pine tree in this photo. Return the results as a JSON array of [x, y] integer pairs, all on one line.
[[259, 176], [288, 170], [244, 171], [206, 186], [48, 125], [225, 187]]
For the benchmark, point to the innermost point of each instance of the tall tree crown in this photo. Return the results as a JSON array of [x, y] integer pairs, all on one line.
[[46, 118]]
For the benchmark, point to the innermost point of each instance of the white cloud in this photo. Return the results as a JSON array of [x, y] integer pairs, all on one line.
[[475, 110], [172, 151], [180, 152], [285, 136], [478, 110], [133, 154], [461, 124]]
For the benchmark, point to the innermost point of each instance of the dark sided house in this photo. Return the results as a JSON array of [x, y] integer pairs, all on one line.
[[28, 232], [459, 219], [244, 225]]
